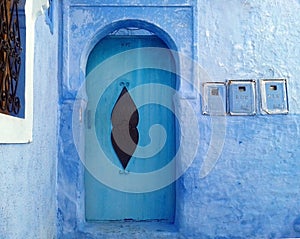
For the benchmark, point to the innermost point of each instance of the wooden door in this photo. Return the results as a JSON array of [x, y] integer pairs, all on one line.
[[101, 201]]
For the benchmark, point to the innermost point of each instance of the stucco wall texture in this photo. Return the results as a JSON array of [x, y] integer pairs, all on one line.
[[253, 191], [28, 171]]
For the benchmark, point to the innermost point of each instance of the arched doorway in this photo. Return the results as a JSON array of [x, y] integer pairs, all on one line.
[[120, 127]]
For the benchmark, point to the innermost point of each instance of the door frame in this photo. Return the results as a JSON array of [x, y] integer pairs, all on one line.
[[81, 101]]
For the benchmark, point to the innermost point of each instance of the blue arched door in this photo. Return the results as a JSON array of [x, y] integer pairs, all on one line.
[[121, 127]]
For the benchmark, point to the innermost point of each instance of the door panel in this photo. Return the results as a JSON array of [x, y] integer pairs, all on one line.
[[103, 202]]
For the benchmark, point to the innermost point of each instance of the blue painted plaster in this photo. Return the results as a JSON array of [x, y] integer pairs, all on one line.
[[83, 26], [28, 171], [253, 191]]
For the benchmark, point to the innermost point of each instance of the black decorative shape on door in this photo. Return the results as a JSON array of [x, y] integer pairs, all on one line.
[[124, 134]]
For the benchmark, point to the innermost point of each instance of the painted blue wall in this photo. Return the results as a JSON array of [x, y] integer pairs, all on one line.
[[252, 192], [28, 171], [83, 26], [254, 189]]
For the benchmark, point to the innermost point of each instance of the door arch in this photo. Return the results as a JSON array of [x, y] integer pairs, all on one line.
[[116, 105]]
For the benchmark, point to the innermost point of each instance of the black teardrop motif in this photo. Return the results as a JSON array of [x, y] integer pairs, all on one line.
[[124, 135]]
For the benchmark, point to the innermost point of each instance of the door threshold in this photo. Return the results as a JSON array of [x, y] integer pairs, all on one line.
[[127, 230]]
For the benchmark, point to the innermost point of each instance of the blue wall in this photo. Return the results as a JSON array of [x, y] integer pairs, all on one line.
[[83, 26], [28, 171], [254, 189]]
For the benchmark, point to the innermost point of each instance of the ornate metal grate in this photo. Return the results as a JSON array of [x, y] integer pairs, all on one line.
[[130, 31], [10, 57]]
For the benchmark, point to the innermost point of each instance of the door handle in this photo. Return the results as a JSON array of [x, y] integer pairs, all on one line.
[[89, 119]]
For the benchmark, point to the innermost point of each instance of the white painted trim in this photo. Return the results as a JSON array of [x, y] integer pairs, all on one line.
[[13, 129]]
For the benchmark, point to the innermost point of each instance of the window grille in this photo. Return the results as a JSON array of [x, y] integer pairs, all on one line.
[[10, 58]]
